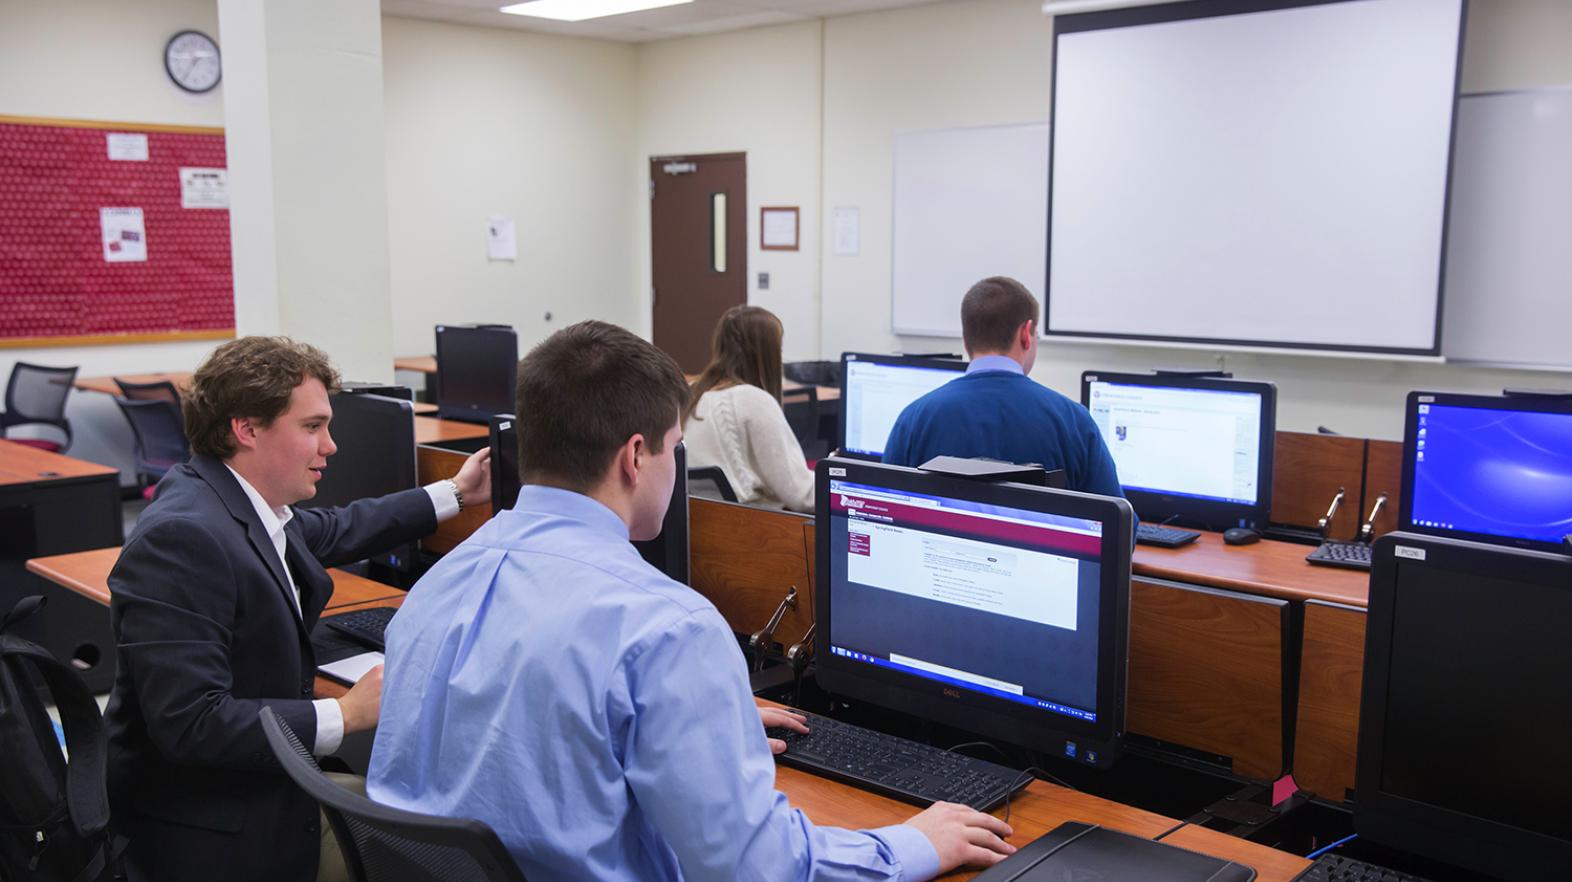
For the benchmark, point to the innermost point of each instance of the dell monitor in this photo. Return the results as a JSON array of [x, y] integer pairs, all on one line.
[[999, 608], [876, 388], [477, 371], [1196, 451], [375, 435], [1464, 716], [1494, 469], [667, 552]]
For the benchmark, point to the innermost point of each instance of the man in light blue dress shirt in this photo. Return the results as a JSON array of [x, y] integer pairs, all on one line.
[[546, 680]]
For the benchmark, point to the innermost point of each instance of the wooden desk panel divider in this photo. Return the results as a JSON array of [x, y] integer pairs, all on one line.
[[744, 560], [1383, 474], [1306, 472], [435, 464], [1206, 672], [1330, 683]]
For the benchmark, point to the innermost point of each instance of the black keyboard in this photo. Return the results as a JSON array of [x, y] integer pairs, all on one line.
[[1163, 537], [363, 625], [896, 767], [1336, 868], [1351, 555]]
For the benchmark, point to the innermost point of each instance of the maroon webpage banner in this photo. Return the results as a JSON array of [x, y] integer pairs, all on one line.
[[883, 511]]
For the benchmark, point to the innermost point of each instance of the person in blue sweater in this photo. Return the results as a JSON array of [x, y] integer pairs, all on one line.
[[995, 410]]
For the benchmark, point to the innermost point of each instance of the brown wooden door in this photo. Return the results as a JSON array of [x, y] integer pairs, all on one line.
[[699, 249]]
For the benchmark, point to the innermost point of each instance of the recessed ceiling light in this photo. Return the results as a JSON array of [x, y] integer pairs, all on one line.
[[579, 10]]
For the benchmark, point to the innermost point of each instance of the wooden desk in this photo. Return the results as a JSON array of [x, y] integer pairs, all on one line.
[[52, 504], [434, 464], [420, 364], [86, 575], [1038, 809], [1273, 569], [106, 385], [826, 393], [430, 430], [1331, 679]]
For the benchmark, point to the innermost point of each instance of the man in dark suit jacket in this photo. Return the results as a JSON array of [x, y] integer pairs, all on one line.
[[214, 598]]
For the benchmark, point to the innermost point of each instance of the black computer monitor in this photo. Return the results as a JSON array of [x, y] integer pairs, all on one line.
[[1196, 451], [1464, 717], [477, 371], [999, 608], [876, 388], [375, 435], [667, 552], [1489, 468]]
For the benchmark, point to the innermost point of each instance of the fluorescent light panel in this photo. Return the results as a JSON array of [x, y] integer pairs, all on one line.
[[579, 10]]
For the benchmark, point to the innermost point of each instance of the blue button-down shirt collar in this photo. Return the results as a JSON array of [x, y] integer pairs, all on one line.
[[994, 363], [575, 506]]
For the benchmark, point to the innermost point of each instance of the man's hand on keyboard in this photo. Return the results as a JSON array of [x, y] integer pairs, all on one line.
[[780, 718], [963, 837]]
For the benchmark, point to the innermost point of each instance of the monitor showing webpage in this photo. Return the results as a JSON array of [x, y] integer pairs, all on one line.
[[999, 601], [1491, 471], [1201, 443], [876, 393]]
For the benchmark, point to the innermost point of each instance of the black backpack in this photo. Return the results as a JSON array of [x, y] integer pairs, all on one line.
[[54, 817]]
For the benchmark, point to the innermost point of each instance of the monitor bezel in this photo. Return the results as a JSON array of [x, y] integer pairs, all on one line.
[[466, 411], [1445, 834], [1410, 448], [1192, 511], [1096, 743], [404, 557], [930, 362]]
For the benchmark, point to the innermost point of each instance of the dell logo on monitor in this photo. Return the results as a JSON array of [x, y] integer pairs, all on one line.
[[952, 693]]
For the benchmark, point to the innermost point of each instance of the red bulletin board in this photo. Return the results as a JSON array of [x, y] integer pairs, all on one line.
[[56, 288]]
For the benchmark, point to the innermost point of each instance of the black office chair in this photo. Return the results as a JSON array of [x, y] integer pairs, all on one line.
[[160, 437], [710, 482], [802, 414], [158, 390], [385, 844], [36, 395]]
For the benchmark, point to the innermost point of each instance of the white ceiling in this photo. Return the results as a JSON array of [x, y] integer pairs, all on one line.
[[698, 17]]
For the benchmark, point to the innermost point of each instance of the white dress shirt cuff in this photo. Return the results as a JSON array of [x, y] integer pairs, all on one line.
[[444, 499], [330, 727], [912, 850]]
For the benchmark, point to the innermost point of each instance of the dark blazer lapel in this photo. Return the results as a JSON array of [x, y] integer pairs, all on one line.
[[229, 491]]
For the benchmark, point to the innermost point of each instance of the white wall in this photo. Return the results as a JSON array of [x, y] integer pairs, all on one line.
[[484, 121], [755, 91]]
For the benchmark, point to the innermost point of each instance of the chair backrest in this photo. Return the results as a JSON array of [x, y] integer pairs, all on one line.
[[710, 482], [813, 373], [160, 436], [802, 412], [37, 394], [158, 390], [384, 843]]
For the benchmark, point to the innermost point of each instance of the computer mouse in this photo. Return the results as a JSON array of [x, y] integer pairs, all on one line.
[[1240, 536]]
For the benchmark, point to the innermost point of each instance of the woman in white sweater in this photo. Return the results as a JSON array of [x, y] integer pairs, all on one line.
[[734, 418]]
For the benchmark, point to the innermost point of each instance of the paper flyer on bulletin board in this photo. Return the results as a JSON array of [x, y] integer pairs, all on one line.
[[125, 237]]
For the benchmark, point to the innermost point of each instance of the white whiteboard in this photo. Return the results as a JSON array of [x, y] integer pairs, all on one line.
[[1509, 258], [969, 204]]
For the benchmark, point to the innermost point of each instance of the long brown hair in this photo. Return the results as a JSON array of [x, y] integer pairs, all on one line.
[[746, 348]]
